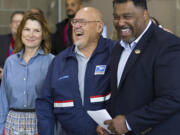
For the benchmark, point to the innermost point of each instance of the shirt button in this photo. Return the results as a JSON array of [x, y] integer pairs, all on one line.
[[24, 92], [24, 79], [24, 105]]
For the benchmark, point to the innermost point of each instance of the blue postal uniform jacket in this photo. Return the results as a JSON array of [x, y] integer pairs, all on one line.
[[62, 100]]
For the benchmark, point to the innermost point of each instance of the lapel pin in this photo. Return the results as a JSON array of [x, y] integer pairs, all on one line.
[[137, 51]]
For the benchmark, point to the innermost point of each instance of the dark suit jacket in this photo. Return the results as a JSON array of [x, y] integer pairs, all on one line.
[[4, 46], [149, 90], [58, 37]]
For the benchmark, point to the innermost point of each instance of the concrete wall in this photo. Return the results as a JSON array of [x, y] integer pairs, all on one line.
[[49, 7], [165, 12], [177, 21]]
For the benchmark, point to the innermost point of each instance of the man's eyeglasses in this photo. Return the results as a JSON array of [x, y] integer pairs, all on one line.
[[81, 22]]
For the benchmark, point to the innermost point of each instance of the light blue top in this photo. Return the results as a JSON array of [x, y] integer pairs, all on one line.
[[82, 64], [22, 83]]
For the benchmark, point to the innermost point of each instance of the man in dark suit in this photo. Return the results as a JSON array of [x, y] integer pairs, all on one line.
[[4, 45], [7, 41], [145, 75]]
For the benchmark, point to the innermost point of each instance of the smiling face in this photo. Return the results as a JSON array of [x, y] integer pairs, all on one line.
[[88, 27], [129, 20], [32, 34]]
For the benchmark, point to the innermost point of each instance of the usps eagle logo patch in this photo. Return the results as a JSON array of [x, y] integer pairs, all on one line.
[[100, 69]]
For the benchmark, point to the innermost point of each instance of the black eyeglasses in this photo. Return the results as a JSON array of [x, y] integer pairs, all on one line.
[[81, 22]]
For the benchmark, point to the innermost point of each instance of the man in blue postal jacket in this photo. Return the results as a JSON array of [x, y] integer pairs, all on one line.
[[145, 79], [78, 79]]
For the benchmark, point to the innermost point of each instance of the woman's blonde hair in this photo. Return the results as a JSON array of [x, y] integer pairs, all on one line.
[[46, 42]]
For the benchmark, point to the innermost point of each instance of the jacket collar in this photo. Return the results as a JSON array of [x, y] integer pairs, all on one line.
[[102, 45], [39, 52]]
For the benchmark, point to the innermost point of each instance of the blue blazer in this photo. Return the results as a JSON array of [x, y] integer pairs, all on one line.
[[149, 90]]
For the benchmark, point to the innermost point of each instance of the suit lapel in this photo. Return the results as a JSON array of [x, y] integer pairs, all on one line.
[[116, 53], [136, 53]]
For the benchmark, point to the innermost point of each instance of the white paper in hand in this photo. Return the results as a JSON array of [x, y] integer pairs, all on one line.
[[99, 117]]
